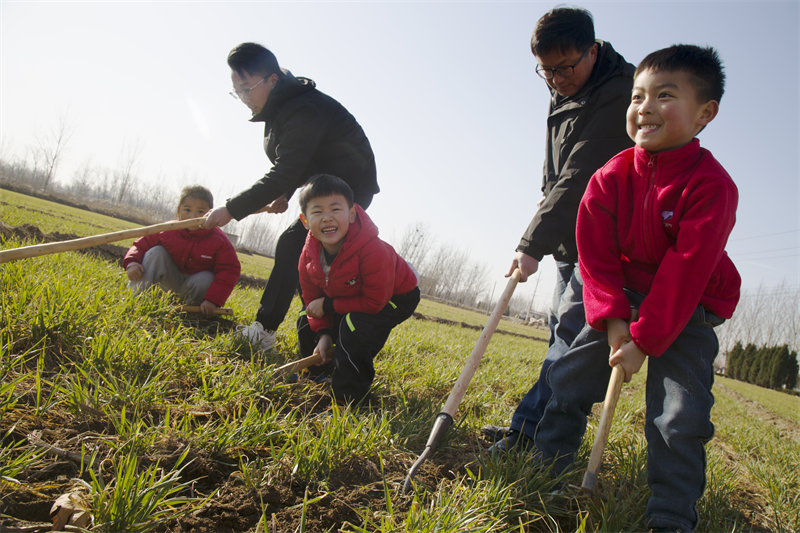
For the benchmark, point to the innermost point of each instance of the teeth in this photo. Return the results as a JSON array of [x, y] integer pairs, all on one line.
[[648, 126], [329, 230]]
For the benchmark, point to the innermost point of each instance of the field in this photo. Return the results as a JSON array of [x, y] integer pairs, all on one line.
[[160, 421]]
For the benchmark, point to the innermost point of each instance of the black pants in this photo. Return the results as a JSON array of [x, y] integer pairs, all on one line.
[[358, 338], [284, 279]]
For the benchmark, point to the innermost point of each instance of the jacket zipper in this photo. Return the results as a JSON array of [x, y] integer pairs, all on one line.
[[647, 222]]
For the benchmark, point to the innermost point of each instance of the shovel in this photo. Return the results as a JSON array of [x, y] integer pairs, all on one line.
[[87, 242], [445, 418]]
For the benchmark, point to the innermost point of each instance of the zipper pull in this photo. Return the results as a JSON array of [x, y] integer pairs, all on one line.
[[652, 160]]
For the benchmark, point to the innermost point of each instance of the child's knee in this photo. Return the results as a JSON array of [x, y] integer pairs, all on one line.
[[156, 254]]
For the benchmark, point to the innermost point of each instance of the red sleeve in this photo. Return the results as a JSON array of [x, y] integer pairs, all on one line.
[[599, 253], [139, 248], [226, 271], [312, 292], [377, 263], [686, 268]]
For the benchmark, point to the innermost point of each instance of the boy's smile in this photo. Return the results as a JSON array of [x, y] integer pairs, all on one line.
[[328, 218], [664, 113]]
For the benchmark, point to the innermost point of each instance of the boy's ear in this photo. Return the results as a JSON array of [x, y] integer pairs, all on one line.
[[353, 213], [304, 220], [708, 113]]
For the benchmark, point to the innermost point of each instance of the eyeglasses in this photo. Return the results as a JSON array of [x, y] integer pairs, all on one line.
[[244, 94], [564, 72]]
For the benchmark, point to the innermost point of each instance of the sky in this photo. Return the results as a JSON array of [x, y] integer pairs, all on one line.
[[445, 91]]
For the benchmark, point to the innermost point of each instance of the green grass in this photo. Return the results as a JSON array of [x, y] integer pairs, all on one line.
[[780, 403], [173, 415], [474, 318]]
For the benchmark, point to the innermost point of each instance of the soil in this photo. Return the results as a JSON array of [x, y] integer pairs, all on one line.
[[787, 428]]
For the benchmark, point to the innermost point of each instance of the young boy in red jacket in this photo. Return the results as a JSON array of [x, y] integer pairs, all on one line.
[[652, 229], [356, 287], [200, 265]]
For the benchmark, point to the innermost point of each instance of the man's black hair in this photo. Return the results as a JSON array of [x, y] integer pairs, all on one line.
[[322, 185], [199, 192], [562, 29], [253, 59], [703, 66]]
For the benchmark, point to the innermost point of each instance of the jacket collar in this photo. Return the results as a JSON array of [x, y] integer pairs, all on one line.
[[608, 65], [360, 231], [673, 161], [287, 88]]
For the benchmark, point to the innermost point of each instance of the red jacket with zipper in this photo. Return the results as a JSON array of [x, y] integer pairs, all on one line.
[[193, 252], [363, 277], [658, 224]]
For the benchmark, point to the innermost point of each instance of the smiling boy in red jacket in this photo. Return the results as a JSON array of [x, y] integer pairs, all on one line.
[[652, 229], [356, 287]]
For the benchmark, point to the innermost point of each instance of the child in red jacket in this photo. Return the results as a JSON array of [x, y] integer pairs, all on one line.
[[652, 229], [356, 287], [200, 265]]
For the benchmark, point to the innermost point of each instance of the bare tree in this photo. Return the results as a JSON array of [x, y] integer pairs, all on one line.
[[128, 162], [416, 242], [50, 145]]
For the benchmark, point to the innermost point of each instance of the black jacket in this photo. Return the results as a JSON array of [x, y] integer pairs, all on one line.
[[306, 132], [584, 131]]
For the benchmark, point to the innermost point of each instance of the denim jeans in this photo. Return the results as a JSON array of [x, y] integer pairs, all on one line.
[[678, 420], [567, 319]]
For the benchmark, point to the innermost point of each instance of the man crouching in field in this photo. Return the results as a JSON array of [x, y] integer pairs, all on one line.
[[652, 229], [357, 287]]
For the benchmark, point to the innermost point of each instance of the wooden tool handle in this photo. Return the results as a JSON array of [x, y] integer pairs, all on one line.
[[296, 366], [196, 309], [86, 242], [460, 388], [601, 437]]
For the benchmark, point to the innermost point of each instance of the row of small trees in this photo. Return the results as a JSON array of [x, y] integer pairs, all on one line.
[[773, 367]]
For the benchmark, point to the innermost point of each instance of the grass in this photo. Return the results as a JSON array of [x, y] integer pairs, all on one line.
[[780, 403], [178, 421]]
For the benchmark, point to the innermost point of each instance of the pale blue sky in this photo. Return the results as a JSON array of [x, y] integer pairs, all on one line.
[[446, 92]]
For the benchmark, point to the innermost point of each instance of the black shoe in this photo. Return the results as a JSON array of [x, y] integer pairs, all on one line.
[[513, 441], [495, 433]]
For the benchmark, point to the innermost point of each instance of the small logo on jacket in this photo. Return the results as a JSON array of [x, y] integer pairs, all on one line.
[[353, 281], [667, 215], [206, 256]]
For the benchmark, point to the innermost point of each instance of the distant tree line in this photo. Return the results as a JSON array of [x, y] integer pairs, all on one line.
[[772, 367]]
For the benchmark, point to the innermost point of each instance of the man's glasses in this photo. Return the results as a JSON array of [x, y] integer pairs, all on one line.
[[564, 72], [244, 94]]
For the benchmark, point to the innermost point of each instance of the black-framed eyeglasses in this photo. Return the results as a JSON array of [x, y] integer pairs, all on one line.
[[244, 94], [564, 72]]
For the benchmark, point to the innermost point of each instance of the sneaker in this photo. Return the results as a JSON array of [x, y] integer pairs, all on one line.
[[495, 433], [258, 337], [513, 441]]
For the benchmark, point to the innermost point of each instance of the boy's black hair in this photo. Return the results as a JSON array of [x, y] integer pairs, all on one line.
[[199, 192], [703, 66], [253, 59], [562, 29], [322, 185]]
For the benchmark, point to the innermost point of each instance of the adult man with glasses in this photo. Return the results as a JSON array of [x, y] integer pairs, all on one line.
[[590, 86], [306, 132]]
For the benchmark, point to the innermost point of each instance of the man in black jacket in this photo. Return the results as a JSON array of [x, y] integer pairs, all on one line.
[[306, 132], [590, 84]]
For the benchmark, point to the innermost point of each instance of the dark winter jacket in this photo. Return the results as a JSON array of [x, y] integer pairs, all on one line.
[[193, 252], [658, 224], [584, 131], [306, 132], [363, 277]]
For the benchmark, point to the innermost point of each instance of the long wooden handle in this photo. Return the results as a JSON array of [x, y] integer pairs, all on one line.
[[601, 437], [296, 366], [196, 309], [86, 242], [460, 388]]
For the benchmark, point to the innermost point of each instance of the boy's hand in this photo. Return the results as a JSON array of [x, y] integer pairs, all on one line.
[[619, 332], [630, 357], [314, 309], [325, 343], [527, 265], [135, 271], [279, 205], [541, 201], [218, 217], [208, 308]]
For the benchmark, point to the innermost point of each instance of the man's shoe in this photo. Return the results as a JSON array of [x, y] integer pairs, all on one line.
[[495, 433], [258, 337], [513, 441]]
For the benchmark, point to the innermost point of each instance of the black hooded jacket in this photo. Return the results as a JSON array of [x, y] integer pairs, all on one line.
[[584, 131], [306, 132]]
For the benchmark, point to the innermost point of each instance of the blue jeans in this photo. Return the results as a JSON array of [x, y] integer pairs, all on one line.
[[567, 319], [678, 421]]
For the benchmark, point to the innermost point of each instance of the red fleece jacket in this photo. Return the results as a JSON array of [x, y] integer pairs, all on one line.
[[658, 224], [193, 252], [363, 277]]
